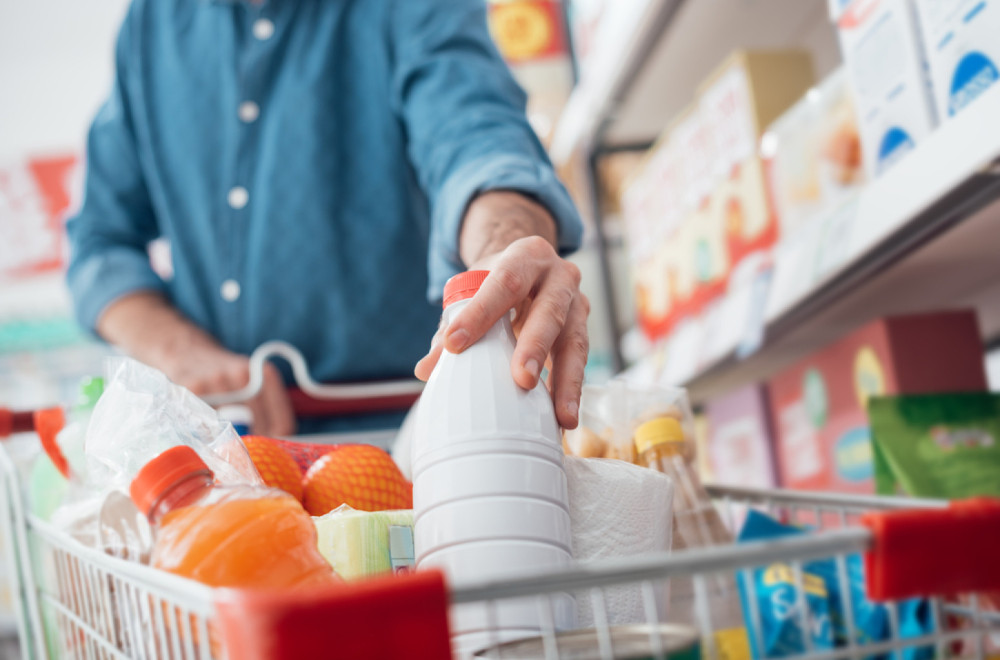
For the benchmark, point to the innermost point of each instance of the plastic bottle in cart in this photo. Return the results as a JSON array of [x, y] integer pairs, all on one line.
[[48, 486], [661, 445], [489, 490], [225, 536]]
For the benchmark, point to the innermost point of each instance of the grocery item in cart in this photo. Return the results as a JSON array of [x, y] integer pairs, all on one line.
[[48, 485], [226, 535], [827, 603], [663, 446], [610, 415], [275, 465], [360, 544], [489, 489], [618, 510], [937, 445], [777, 590], [142, 414], [361, 476], [639, 642]]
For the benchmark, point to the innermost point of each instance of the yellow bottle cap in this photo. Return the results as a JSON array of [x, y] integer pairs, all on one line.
[[658, 431]]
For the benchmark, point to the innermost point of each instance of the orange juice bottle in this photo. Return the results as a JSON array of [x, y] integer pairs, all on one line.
[[226, 536]]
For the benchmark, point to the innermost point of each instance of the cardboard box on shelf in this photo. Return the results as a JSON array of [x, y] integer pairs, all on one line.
[[700, 197], [813, 152], [962, 39], [885, 63], [743, 96], [819, 406], [740, 449]]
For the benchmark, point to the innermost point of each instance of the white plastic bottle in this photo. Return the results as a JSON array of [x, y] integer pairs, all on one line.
[[489, 490]]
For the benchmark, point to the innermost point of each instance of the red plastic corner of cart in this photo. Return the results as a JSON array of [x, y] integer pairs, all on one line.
[[48, 423], [934, 551], [403, 616]]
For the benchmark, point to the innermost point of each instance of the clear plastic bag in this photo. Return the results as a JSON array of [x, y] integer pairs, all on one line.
[[142, 414], [610, 414]]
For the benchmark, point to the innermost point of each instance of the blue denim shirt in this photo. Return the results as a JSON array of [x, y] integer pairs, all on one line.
[[310, 162]]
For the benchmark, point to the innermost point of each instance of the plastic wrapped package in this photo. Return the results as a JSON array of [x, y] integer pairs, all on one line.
[[142, 414], [610, 415], [616, 510], [361, 544]]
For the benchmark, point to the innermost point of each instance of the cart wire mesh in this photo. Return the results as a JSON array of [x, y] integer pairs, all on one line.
[[77, 602]]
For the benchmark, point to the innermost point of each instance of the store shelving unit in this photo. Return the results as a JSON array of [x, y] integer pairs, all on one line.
[[924, 236]]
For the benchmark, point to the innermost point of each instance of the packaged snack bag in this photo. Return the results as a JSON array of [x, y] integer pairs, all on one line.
[[942, 445]]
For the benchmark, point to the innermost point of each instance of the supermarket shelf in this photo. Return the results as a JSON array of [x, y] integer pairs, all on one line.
[[650, 56], [924, 236]]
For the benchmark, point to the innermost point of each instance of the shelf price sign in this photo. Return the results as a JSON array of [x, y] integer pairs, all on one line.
[[527, 30]]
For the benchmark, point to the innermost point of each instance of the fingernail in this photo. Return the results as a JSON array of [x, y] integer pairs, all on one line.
[[531, 366], [573, 408], [457, 339]]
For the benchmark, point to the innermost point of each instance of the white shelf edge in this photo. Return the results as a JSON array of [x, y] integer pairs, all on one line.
[[617, 50], [960, 148]]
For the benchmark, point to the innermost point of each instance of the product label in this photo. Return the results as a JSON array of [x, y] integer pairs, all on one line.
[[852, 455], [401, 553], [974, 74]]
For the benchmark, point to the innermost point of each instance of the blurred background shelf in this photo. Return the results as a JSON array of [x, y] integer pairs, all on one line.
[[648, 57], [922, 237]]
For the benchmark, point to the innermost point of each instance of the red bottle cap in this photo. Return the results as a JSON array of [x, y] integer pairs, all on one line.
[[162, 473], [464, 285]]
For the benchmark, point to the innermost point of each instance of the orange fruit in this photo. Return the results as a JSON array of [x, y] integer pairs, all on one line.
[[362, 476], [276, 466]]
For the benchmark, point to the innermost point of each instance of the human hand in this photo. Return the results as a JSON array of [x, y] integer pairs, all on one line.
[[551, 320], [207, 370]]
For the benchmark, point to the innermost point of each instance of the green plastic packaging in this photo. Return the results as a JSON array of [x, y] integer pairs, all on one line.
[[941, 445]]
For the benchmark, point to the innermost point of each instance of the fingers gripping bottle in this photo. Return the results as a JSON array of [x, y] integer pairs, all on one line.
[[225, 536], [489, 490]]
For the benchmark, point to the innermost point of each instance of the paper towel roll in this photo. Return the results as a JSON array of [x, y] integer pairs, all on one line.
[[616, 510]]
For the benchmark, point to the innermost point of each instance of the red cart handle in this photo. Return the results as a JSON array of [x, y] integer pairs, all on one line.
[[385, 618], [46, 423], [934, 551]]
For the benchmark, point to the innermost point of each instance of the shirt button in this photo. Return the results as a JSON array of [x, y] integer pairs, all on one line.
[[238, 197], [230, 290], [263, 29], [249, 111]]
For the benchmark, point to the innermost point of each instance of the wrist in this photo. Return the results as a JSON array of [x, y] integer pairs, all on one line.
[[496, 219]]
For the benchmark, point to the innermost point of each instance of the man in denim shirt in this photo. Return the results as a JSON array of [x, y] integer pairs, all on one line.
[[320, 168]]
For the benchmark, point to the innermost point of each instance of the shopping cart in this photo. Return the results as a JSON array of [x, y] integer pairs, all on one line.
[[78, 602]]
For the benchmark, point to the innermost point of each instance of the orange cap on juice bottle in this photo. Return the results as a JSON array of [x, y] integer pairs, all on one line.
[[162, 473]]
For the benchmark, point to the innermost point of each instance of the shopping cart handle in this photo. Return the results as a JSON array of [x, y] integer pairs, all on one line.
[[934, 551], [47, 423], [16, 421], [300, 372], [386, 618]]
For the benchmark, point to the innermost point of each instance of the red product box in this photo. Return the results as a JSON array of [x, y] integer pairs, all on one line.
[[819, 405]]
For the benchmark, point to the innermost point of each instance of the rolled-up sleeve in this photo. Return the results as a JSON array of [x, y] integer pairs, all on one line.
[[466, 125], [108, 236]]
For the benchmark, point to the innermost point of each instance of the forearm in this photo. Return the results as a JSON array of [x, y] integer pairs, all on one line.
[[147, 327], [496, 219]]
